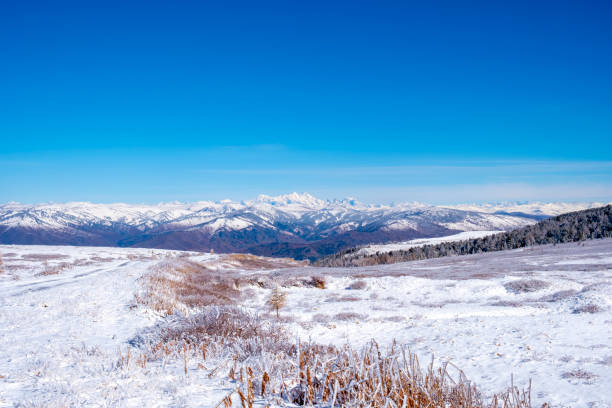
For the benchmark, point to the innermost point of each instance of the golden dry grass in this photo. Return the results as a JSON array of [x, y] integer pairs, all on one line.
[[53, 269], [182, 283], [185, 284], [43, 257], [253, 262], [256, 352]]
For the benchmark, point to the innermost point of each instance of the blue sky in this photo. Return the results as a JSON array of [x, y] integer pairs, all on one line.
[[383, 101]]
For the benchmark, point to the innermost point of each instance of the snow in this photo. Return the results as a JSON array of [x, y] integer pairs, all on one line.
[[460, 309], [533, 208], [63, 334], [400, 225], [297, 209], [233, 224], [462, 236]]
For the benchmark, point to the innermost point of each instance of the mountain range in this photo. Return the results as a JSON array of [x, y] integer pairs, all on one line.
[[293, 225]]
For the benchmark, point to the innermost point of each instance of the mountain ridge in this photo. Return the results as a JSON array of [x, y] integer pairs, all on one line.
[[295, 225], [576, 226]]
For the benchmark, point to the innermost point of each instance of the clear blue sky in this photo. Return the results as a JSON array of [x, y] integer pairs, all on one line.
[[385, 101]]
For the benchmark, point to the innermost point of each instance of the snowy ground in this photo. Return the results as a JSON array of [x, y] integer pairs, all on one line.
[[462, 236], [68, 317]]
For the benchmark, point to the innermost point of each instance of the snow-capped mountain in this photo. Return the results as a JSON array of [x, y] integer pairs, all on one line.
[[536, 210], [296, 225]]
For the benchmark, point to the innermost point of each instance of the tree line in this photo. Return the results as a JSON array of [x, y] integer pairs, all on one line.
[[576, 226]]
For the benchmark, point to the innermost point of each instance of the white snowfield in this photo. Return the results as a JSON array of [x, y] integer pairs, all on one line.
[[397, 246], [68, 316], [532, 208]]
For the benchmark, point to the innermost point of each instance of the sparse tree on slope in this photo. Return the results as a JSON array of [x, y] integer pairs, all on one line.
[[277, 300]]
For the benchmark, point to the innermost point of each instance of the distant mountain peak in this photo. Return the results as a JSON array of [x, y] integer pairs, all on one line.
[[292, 198]]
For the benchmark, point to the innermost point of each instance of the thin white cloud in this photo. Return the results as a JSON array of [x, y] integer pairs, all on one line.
[[468, 193], [535, 167]]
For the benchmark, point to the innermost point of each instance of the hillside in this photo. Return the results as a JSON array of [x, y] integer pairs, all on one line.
[[576, 226], [141, 327]]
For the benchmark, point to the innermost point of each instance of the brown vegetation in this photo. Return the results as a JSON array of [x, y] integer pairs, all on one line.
[[345, 316], [579, 374], [53, 269], [318, 282], [43, 257], [258, 355], [526, 285], [358, 285], [253, 262], [182, 283], [588, 308]]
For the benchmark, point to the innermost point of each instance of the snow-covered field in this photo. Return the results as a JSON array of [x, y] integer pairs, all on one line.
[[462, 236], [69, 316]]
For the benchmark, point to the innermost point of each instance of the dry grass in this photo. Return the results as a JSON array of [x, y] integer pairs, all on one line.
[[557, 296], [358, 285], [373, 378], [348, 298], [101, 259], [344, 298], [508, 303], [43, 257], [394, 318], [299, 282], [318, 282], [588, 308], [579, 374], [225, 323], [53, 269], [259, 358], [346, 316], [526, 285], [321, 318], [252, 262], [329, 376], [257, 354], [182, 284]]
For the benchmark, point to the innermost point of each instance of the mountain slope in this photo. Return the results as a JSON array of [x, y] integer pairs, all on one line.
[[295, 225], [594, 223]]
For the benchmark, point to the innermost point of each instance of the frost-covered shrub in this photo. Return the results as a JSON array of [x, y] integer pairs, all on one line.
[[507, 303], [526, 285], [344, 316], [588, 308], [349, 299], [395, 319], [224, 322], [358, 285], [318, 282], [53, 269], [320, 318], [555, 297], [43, 257], [579, 374]]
